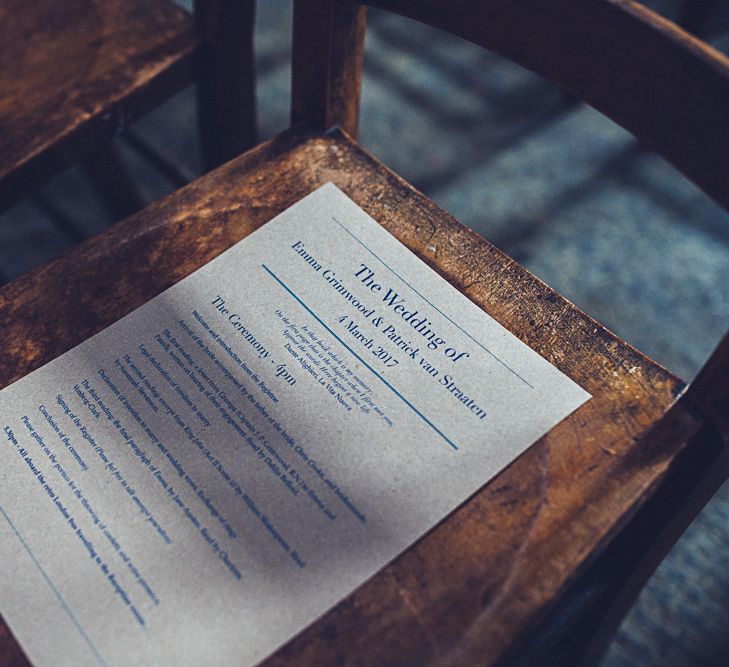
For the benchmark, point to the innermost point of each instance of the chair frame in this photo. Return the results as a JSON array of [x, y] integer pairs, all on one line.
[[676, 102], [217, 53]]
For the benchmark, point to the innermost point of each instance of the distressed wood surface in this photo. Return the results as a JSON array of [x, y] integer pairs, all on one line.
[[668, 88], [473, 586], [76, 72]]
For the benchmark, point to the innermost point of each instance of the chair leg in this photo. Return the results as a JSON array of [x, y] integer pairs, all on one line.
[[628, 563], [577, 632], [226, 85]]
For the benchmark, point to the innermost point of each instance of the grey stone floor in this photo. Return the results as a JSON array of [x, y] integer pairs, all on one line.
[[554, 184]]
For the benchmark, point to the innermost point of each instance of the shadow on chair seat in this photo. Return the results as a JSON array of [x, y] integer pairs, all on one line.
[[515, 545]]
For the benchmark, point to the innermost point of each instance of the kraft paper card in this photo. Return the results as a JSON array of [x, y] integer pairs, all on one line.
[[205, 478]]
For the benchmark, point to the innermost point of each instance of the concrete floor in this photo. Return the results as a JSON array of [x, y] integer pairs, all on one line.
[[557, 186]]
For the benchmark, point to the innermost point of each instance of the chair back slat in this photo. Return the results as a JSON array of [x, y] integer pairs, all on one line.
[[328, 44], [666, 87]]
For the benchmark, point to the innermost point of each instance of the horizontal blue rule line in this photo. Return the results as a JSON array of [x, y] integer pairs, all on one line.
[[56, 592], [372, 370], [455, 324]]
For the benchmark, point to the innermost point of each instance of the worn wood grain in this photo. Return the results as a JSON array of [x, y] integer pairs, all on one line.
[[74, 73], [668, 88], [632, 462], [578, 629], [475, 584]]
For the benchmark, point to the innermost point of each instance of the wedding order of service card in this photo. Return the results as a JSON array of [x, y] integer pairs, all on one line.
[[203, 479]]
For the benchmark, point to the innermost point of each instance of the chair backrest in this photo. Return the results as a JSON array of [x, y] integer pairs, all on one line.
[[666, 87]]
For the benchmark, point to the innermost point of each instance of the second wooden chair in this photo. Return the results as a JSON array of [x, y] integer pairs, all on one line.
[[76, 73]]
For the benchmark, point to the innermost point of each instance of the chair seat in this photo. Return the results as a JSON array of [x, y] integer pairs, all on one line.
[[63, 65], [487, 573]]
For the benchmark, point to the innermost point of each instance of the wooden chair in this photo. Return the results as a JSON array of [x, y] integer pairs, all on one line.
[[75, 73], [596, 502]]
